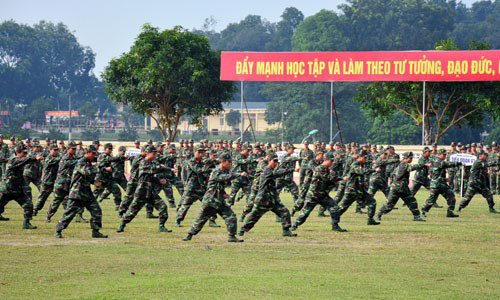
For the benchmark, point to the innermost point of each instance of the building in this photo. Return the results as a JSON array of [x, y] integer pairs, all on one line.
[[217, 125]]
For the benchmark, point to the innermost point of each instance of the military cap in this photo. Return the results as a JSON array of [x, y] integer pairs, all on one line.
[[150, 141], [72, 145], [61, 142], [122, 148], [237, 142], [493, 144], [459, 144], [191, 141], [453, 144], [340, 151], [273, 156], [159, 144], [319, 152], [96, 142], [467, 146], [91, 148], [36, 140], [53, 147], [278, 145], [338, 144], [473, 145], [291, 146], [353, 144], [269, 152], [257, 144], [108, 146], [143, 148], [268, 145], [362, 153], [426, 149], [12, 138], [306, 142], [317, 143], [137, 142], [480, 152], [28, 140], [441, 151], [246, 147], [171, 146], [181, 141], [151, 149], [380, 147], [389, 147], [21, 148], [382, 151], [408, 155], [488, 147], [225, 156], [200, 148], [328, 156], [434, 145]]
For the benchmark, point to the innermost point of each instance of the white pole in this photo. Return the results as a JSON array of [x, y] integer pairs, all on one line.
[[423, 115], [331, 112], [241, 137], [69, 134], [462, 183]]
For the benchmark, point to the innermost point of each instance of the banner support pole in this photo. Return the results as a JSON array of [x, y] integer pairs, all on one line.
[[242, 123], [462, 183], [423, 114], [331, 111]]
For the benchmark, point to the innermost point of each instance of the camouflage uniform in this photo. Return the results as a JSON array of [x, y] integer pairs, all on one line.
[[147, 191], [288, 163], [309, 171], [494, 172], [172, 180], [50, 167], [4, 158], [106, 178], [377, 179], [62, 183], [81, 196], [322, 180], [478, 184], [267, 200], [213, 202], [240, 165], [195, 187], [131, 185], [118, 175], [12, 187], [421, 176], [254, 188], [32, 174], [307, 156], [399, 189], [452, 173], [439, 186]]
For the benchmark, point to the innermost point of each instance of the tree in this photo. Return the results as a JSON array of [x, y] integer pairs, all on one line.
[[168, 74], [233, 119], [448, 104], [282, 38]]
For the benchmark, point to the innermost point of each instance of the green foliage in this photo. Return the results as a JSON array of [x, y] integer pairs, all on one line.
[[200, 133], [233, 118], [91, 134], [128, 134], [168, 74], [399, 129], [54, 134], [155, 134]]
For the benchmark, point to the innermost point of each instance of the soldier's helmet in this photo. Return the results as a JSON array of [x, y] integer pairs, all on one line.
[[108, 146], [91, 148], [122, 148], [269, 152], [54, 147], [273, 156], [426, 149], [72, 145], [200, 148], [480, 152], [408, 155], [328, 156], [21, 148], [151, 149], [441, 151], [171, 146], [224, 156], [137, 142]]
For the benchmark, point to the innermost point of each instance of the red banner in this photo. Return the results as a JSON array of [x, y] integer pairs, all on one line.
[[61, 113], [481, 65]]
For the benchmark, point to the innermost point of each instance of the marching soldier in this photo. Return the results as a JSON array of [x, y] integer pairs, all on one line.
[[4, 156], [105, 176], [494, 170], [307, 155], [422, 174], [50, 167], [288, 163], [241, 165]]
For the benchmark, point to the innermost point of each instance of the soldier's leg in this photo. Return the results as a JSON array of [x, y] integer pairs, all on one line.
[[235, 187], [294, 190], [45, 192], [230, 218], [346, 202], [486, 193], [245, 191], [3, 201], [27, 207], [70, 212], [389, 205], [59, 196], [117, 194], [415, 187], [95, 213], [309, 206], [27, 188], [206, 212], [162, 209], [179, 186], [340, 192], [498, 183], [412, 205], [451, 179], [284, 214], [128, 198], [302, 175], [471, 191], [98, 192], [371, 205], [451, 201], [434, 194], [252, 218], [249, 204], [187, 200], [122, 182], [169, 193], [133, 209]]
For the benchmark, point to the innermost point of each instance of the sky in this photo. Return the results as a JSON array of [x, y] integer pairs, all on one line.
[[110, 26]]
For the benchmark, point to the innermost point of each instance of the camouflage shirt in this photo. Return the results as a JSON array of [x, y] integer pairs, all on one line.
[[215, 194], [134, 168], [322, 180], [83, 177], [307, 155], [50, 167], [65, 170], [4, 153], [197, 174], [438, 172], [358, 176], [34, 168], [479, 174], [267, 194], [13, 179], [148, 178], [103, 162]]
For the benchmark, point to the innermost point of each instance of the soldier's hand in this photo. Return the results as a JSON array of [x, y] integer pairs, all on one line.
[[345, 178], [428, 165], [163, 181], [109, 169], [39, 157], [378, 170], [97, 184], [243, 174]]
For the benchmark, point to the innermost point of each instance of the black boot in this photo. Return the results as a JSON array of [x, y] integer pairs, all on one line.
[[289, 233], [336, 227], [372, 221], [150, 215], [188, 237], [233, 239], [27, 224], [96, 234], [121, 228], [58, 235], [450, 214], [2, 218], [162, 228], [493, 210]]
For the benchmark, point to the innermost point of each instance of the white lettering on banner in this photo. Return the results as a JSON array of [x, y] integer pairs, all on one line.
[[465, 159]]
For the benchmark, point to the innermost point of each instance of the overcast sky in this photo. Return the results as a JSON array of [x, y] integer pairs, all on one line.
[[110, 26]]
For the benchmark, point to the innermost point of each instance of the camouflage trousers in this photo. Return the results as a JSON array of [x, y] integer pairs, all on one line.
[[139, 201], [45, 191], [120, 181], [378, 184], [472, 190], [452, 178], [27, 187], [259, 210], [349, 197], [3, 167], [458, 180], [21, 198], [392, 200], [290, 185], [311, 203], [112, 187], [240, 183], [129, 197], [61, 193], [418, 183], [434, 194], [168, 189], [207, 212], [188, 199], [250, 199], [74, 206], [305, 188], [302, 177], [494, 182]]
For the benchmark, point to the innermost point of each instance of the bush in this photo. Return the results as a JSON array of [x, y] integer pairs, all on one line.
[[91, 134], [53, 134], [128, 134], [155, 135]]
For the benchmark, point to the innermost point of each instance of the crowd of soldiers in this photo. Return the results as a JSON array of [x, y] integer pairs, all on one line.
[[255, 172]]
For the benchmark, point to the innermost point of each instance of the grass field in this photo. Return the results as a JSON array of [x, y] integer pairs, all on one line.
[[400, 259]]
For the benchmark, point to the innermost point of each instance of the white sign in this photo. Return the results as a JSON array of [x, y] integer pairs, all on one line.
[[465, 159], [280, 155], [132, 152]]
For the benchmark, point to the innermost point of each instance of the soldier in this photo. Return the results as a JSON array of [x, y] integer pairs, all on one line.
[[50, 167], [132, 185], [439, 186], [422, 174], [33, 171], [137, 144], [148, 191], [494, 171], [308, 155], [452, 171], [377, 179], [105, 176], [4, 156], [399, 186], [459, 187], [63, 181], [322, 179], [196, 175], [478, 182], [356, 190], [213, 202], [170, 160], [267, 199], [12, 187], [118, 172], [312, 164], [241, 165], [80, 151], [288, 163], [81, 196]]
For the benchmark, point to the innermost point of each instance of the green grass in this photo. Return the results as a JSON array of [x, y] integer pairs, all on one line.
[[400, 259]]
